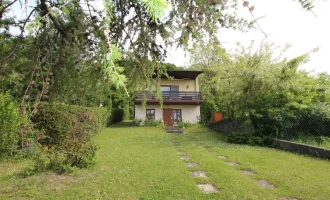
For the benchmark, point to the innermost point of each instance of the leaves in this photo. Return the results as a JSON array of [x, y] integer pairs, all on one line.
[[156, 8]]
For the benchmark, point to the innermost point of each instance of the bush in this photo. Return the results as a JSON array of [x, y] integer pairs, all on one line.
[[152, 122], [320, 141], [10, 121], [68, 132], [312, 121], [252, 138], [137, 122], [185, 124]]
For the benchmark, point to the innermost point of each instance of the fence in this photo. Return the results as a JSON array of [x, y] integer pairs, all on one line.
[[310, 127]]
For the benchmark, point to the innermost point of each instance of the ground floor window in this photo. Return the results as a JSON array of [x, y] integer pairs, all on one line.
[[150, 113], [177, 116]]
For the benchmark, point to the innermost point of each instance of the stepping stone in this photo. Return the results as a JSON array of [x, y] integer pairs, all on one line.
[[265, 184], [192, 164], [176, 143], [207, 188], [222, 157], [246, 172], [185, 157], [200, 174], [232, 163], [180, 153]]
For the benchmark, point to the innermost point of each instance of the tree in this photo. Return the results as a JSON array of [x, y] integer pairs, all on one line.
[[234, 83]]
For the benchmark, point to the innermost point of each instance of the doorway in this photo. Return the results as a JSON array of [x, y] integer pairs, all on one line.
[[168, 116]]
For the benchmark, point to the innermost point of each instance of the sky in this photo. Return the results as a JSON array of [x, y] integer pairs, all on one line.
[[284, 22]]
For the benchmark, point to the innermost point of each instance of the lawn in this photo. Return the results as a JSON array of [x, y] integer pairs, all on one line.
[[144, 163]]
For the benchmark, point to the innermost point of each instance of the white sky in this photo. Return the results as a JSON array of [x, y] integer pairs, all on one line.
[[285, 22]]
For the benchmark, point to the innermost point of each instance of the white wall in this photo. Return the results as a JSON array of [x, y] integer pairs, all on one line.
[[190, 113], [182, 83]]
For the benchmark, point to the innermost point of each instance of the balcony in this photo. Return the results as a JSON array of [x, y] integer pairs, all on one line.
[[171, 98]]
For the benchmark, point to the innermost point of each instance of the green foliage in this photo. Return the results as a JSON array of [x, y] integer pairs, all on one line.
[[147, 122], [68, 131], [310, 121], [10, 122], [117, 115], [156, 8], [266, 89], [152, 122], [185, 124], [319, 141], [252, 138], [137, 122]]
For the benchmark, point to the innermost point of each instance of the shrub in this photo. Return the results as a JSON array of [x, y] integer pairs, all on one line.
[[10, 121], [68, 132], [152, 122], [251, 138], [185, 124], [137, 122], [312, 121]]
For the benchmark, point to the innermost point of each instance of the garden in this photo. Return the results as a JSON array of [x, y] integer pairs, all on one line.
[[69, 74], [145, 163]]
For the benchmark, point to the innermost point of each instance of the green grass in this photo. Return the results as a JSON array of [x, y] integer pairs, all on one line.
[[143, 163], [318, 141]]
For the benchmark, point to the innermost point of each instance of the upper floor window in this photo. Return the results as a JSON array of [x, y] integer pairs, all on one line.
[[169, 88], [150, 113], [169, 91]]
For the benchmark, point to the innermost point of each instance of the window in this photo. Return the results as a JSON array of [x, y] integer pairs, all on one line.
[[170, 91], [150, 113], [177, 116], [169, 88]]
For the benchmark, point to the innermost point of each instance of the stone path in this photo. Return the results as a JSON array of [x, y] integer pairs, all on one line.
[[205, 187], [208, 187], [265, 184], [192, 164], [246, 172], [200, 174], [232, 163]]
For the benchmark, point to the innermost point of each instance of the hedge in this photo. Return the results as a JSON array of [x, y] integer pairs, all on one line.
[[67, 134]]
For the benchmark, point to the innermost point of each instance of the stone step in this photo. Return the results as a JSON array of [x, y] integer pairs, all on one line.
[[174, 129]]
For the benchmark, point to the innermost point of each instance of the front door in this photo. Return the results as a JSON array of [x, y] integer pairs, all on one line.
[[168, 116]]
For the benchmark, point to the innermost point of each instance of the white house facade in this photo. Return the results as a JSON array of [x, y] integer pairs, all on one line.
[[181, 99]]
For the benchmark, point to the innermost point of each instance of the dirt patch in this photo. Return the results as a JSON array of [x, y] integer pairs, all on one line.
[[265, 184], [287, 198], [192, 164], [200, 174], [232, 163], [207, 188], [185, 157], [222, 157], [55, 182], [58, 182], [246, 172]]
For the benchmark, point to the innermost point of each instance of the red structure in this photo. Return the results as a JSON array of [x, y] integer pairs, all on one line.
[[216, 117]]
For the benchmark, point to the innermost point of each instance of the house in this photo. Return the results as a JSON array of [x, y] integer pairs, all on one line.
[[181, 99]]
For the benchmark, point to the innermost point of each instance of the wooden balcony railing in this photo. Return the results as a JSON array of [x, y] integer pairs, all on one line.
[[184, 96]]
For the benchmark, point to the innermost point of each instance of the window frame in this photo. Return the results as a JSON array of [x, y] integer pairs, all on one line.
[[176, 111], [154, 113]]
